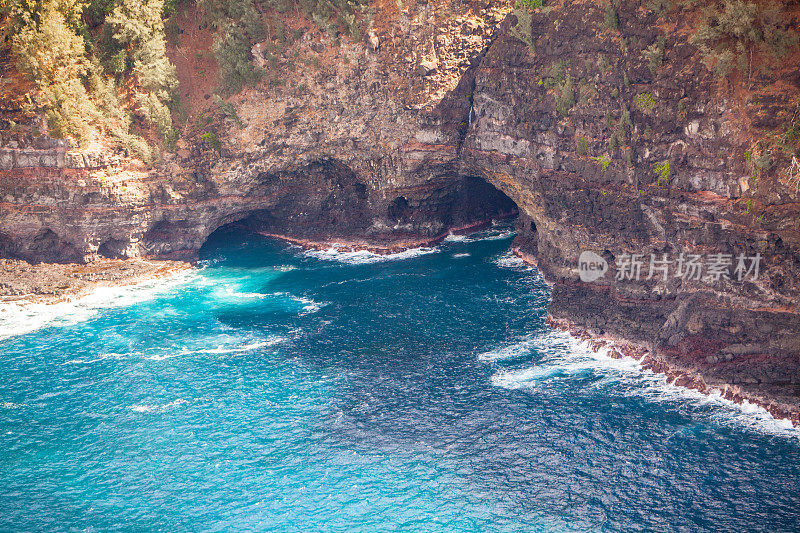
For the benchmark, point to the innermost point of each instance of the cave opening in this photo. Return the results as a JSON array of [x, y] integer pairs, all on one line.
[[346, 210]]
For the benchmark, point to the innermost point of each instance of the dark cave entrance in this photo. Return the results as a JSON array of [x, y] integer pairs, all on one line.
[[336, 206]]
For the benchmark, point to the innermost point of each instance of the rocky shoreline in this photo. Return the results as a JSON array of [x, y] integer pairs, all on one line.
[[676, 374], [50, 283]]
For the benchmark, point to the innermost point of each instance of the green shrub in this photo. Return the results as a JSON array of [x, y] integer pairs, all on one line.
[[612, 143], [137, 25], [522, 29], [663, 171], [654, 54], [659, 7], [138, 147], [211, 139], [563, 84], [604, 161], [625, 119], [764, 161], [565, 96], [645, 101], [730, 31], [228, 110], [232, 50], [331, 15], [53, 56], [557, 74]]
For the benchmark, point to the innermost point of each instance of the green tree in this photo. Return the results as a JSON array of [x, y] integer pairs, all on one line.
[[49, 51], [730, 32], [138, 26]]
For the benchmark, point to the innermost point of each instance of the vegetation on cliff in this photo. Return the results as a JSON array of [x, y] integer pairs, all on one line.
[[98, 67], [101, 70]]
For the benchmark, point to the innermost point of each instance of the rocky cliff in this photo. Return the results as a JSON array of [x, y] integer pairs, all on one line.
[[448, 114]]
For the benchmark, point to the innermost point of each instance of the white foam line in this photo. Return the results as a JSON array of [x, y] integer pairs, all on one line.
[[145, 408], [510, 260], [242, 348], [363, 257], [309, 305], [566, 356], [230, 292], [19, 318], [221, 349], [486, 235], [512, 351]]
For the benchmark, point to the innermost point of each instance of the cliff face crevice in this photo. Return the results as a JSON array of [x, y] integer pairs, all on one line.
[[438, 122]]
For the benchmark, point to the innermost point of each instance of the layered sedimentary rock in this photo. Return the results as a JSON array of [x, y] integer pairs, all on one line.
[[443, 118]]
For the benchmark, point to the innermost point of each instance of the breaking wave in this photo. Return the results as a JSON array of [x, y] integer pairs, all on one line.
[[564, 357], [19, 318], [496, 233], [364, 257], [512, 261]]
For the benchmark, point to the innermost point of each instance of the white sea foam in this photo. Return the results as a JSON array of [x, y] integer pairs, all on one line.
[[460, 255], [230, 292], [512, 351], [221, 349], [170, 355], [233, 293], [145, 408], [249, 347], [19, 318], [510, 260], [494, 234], [564, 357], [363, 257], [309, 305]]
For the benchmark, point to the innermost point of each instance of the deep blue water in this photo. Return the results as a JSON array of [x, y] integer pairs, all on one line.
[[277, 390]]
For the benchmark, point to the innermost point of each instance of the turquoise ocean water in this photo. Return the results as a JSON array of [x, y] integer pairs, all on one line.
[[282, 390]]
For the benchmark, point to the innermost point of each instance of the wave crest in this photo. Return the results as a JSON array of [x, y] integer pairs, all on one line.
[[365, 257], [19, 318]]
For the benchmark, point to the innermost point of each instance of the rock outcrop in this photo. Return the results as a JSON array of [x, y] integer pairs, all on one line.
[[442, 119]]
